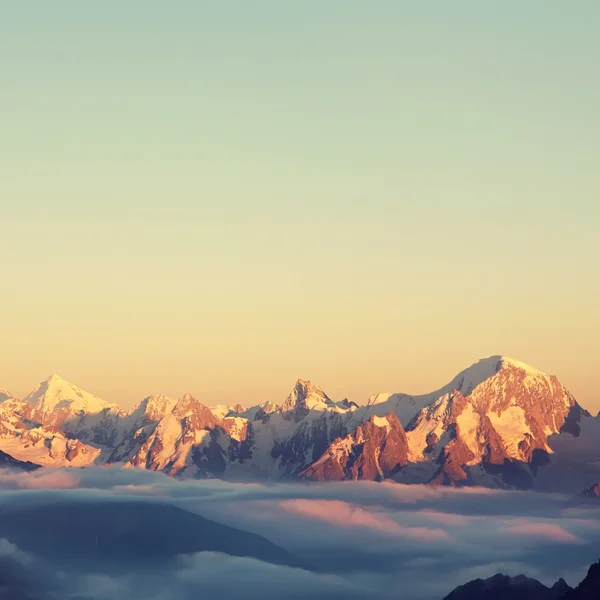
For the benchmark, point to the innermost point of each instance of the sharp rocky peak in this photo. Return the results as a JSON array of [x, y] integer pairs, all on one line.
[[186, 400], [187, 403], [305, 394], [308, 388]]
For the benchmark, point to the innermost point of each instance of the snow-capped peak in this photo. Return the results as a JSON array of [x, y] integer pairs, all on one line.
[[56, 393], [306, 395], [155, 407], [188, 405], [466, 381]]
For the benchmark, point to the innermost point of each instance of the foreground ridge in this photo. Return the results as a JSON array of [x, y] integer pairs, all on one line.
[[500, 586]]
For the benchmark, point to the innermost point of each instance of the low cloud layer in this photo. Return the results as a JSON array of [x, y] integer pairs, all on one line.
[[358, 539]]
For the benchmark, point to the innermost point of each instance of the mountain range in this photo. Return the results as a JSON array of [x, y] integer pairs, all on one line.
[[499, 423]]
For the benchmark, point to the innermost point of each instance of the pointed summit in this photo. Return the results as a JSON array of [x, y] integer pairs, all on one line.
[[306, 396], [188, 406], [55, 393]]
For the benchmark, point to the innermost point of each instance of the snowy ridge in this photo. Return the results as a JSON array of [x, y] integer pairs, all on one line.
[[497, 410], [407, 406], [56, 393], [499, 422]]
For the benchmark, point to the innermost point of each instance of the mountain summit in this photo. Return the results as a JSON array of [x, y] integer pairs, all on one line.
[[489, 426], [305, 397], [55, 393], [498, 423]]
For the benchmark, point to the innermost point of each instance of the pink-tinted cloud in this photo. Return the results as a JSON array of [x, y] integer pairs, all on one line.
[[39, 480], [343, 514], [541, 530], [55, 480]]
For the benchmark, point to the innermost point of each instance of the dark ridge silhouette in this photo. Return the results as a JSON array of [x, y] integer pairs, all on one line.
[[98, 534], [6, 460], [501, 587]]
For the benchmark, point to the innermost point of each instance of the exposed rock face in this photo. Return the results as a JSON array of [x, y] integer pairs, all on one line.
[[489, 426], [572, 421], [25, 435], [452, 459], [307, 442], [182, 437], [59, 407], [12, 418], [305, 396], [499, 423], [375, 450], [166, 445], [101, 428]]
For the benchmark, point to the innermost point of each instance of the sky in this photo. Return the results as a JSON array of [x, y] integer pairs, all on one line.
[[220, 198]]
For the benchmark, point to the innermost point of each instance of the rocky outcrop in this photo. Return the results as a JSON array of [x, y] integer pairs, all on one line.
[[452, 460], [305, 396], [572, 422], [307, 443], [167, 445], [25, 435], [375, 450], [493, 426]]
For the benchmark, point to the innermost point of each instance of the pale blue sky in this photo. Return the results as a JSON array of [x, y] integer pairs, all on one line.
[[221, 197]]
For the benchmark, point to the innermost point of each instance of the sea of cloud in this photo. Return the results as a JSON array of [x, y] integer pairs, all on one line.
[[361, 539]]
